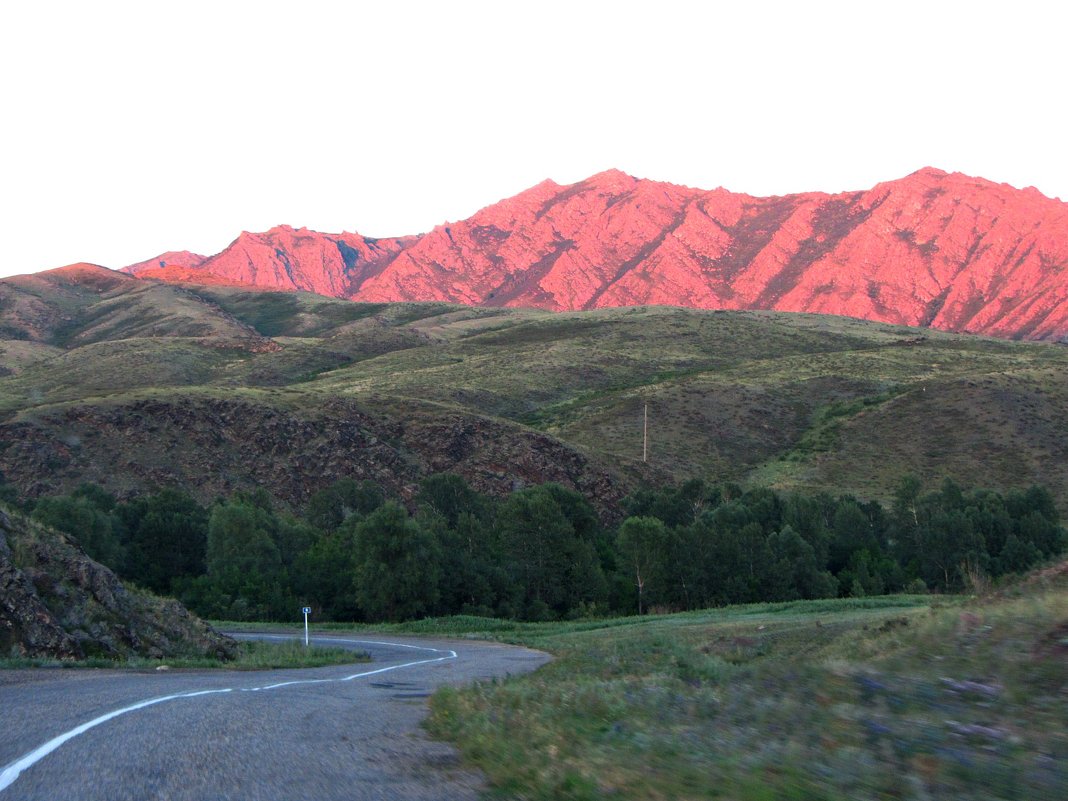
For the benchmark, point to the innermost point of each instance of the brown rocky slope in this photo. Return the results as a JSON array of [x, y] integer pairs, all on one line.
[[56, 602], [214, 445], [932, 249]]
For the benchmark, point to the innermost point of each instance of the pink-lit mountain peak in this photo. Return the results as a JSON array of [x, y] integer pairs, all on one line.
[[932, 248]]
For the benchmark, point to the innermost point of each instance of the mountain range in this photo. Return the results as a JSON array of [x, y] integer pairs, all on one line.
[[199, 373], [135, 385], [935, 249]]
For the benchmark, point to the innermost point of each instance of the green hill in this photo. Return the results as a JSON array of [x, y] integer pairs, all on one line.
[[130, 384]]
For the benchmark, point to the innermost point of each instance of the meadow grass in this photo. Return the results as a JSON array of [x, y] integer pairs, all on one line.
[[926, 698]]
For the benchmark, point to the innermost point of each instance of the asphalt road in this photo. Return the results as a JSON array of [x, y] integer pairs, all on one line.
[[340, 732]]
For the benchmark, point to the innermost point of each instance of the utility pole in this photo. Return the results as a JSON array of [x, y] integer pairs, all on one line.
[[645, 435]]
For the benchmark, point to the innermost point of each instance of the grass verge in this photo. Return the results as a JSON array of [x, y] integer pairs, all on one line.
[[251, 655], [904, 698]]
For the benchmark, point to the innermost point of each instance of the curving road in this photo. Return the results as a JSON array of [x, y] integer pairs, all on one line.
[[341, 732]]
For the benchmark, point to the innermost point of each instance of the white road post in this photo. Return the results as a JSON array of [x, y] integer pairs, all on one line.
[[307, 611]]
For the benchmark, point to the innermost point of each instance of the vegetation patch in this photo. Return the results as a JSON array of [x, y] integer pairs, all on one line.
[[811, 700], [250, 655], [353, 554], [826, 427]]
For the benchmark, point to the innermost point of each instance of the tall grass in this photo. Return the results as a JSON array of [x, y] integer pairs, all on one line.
[[946, 700]]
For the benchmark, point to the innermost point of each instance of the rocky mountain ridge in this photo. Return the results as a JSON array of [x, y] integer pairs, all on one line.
[[935, 249]]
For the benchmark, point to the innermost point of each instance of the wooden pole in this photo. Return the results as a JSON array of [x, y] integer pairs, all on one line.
[[645, 436]]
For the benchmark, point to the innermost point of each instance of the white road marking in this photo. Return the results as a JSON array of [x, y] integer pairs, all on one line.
[[12, 771]]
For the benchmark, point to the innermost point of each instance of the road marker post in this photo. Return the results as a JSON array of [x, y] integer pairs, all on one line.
[[307, 611]]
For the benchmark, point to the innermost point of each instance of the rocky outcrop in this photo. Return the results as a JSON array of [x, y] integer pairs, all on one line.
[[56, 602], [933, 249], [27, 627], [497, 458], [214, 446]]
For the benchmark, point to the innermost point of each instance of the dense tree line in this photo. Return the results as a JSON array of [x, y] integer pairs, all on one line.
[[542, 553]]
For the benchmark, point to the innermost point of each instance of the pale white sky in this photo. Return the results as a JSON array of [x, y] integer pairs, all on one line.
[[128, 129]]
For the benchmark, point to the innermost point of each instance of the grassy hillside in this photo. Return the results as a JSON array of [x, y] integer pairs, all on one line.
[[794, 401], [895, 697]]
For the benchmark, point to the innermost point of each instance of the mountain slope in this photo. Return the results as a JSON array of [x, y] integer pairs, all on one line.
[[512, 397], [82, 304], [932, 249], [173, 259]]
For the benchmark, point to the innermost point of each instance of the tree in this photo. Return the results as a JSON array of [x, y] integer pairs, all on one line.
[[862, 573], [948, 541], [166, 538], [245, 577], [673, 506], [292, 537], [555, 568], [472, 578], [330, 507], [240, 540], [807, 515], [851, 531], [96, 495], [575, 508], [96, 530], [989, 517], [794, 572], [699, 565], [742, 562], [765, 508], [397, 565], [905, 498], [323, 575], [644, 544], [1034, 499], [450, 496], [1017, 556], [1036, 529]]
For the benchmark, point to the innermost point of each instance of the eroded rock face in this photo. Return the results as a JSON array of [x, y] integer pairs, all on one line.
[[27, 627], [213, 447], [56, 602], [935, 249]]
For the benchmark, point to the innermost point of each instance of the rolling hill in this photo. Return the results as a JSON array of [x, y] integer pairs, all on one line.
[[216, 388]]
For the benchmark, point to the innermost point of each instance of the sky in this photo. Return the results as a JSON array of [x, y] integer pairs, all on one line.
[[131, 128]]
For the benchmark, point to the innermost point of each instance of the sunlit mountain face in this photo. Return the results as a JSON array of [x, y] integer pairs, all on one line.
[[934, 249]]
